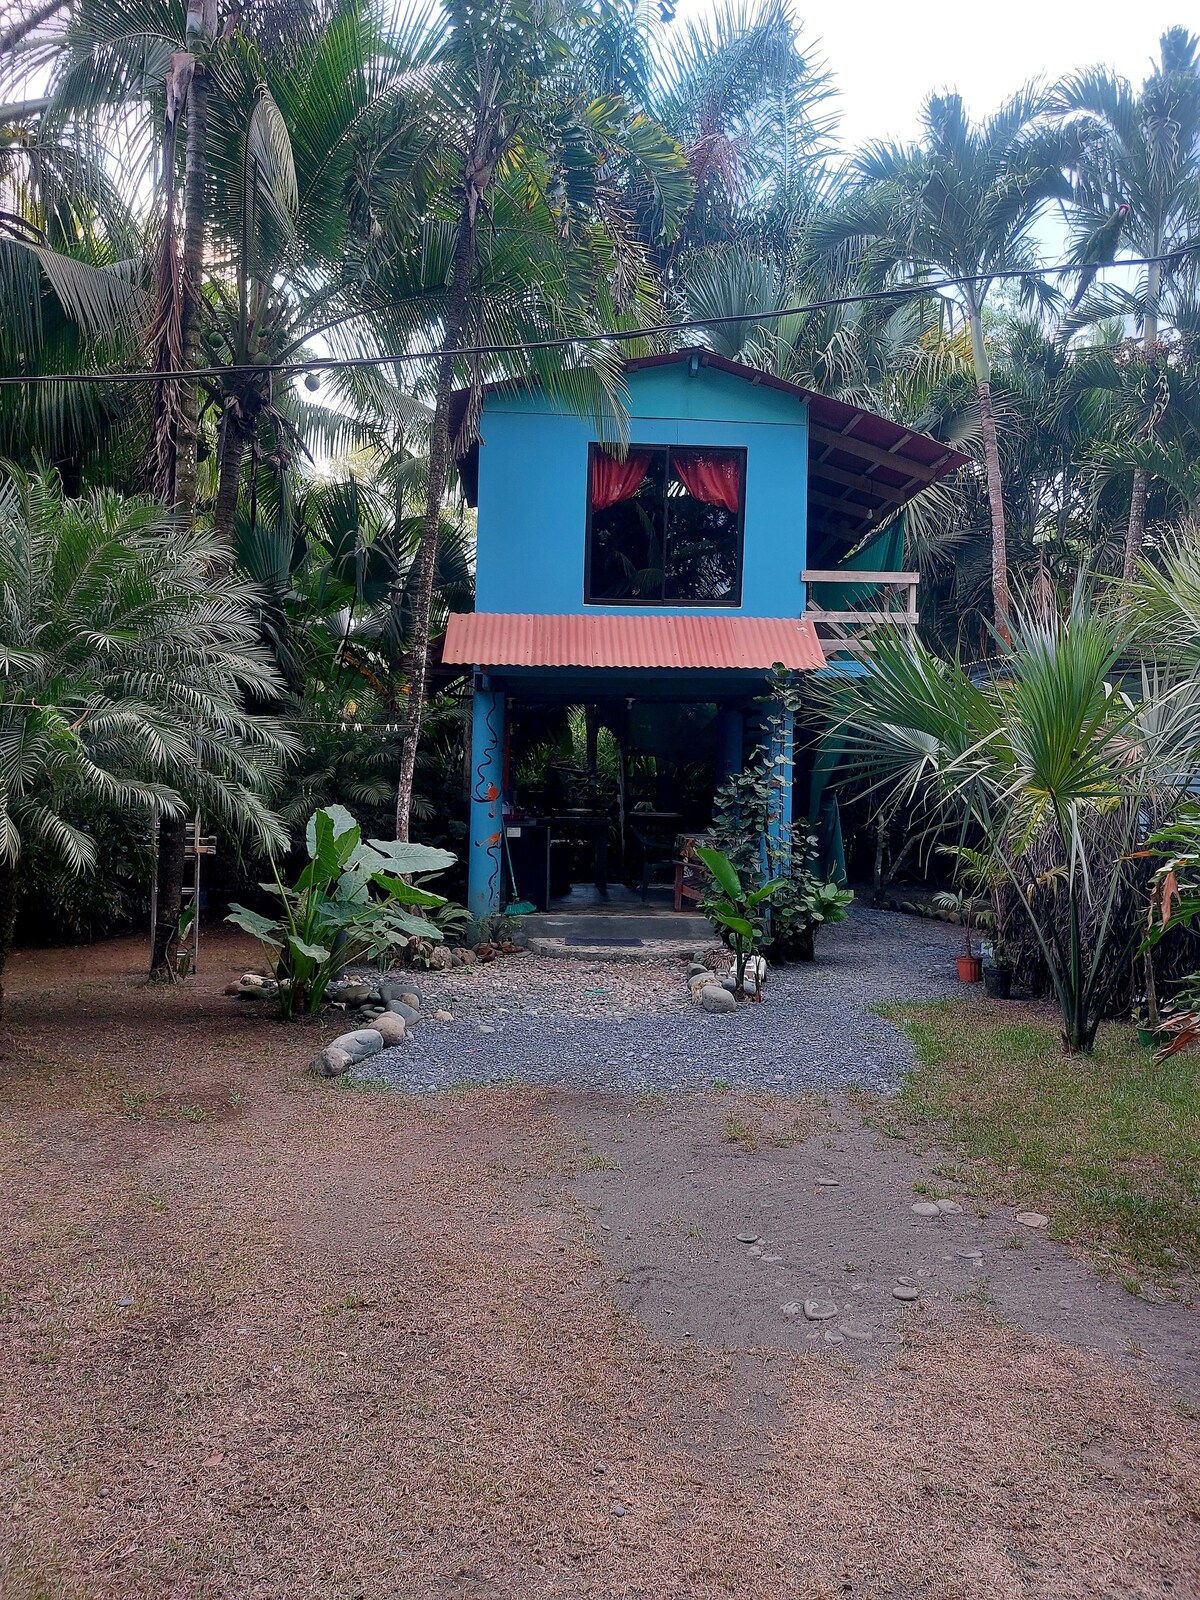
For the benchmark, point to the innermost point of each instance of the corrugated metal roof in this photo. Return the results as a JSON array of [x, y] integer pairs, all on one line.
[[730, 644]]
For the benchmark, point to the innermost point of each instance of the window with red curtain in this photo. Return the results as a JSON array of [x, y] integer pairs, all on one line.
[[665, 526], [614, 480], [714, 479]]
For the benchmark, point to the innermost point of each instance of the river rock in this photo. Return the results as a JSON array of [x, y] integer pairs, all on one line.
[[905, 1291], [354, 991], [359, 1044], [390, 1028], [854, 1330], [330, 1062], [401, 1008], [714, 998], [1032, 1219], [926, 1208]]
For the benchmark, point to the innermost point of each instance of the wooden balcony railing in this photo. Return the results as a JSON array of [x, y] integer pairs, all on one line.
[[893, 603]]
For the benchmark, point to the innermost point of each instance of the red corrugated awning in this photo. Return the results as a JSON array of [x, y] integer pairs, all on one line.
[[696, 644]]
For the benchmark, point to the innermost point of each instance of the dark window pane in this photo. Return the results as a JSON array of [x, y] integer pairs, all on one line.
[[627, 543], [704, 528]]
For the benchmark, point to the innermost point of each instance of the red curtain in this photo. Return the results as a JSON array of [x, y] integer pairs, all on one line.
[[614, 480], [714, 479]]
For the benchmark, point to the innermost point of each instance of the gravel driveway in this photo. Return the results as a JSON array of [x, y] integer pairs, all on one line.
[[629, 1027]]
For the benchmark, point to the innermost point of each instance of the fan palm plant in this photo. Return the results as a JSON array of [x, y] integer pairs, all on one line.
[[1055, 760], [1135, 183], [127, 664], [963, 202]]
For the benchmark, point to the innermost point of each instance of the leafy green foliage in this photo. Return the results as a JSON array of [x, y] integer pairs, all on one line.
[[128, 663], [758, 846], [1051, 761], [737, 910], [353, 901]]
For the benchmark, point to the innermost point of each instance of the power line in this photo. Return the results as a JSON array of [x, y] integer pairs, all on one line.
[[612, 336]]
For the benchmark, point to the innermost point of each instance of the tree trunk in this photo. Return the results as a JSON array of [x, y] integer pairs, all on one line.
[[1135, 533], [172, 841], [9, 875], [233, 451], [195, 169], [995, 486], [29, 23], [425, 561], [172, 834]]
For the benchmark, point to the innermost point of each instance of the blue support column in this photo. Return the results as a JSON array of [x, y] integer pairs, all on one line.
[[730, 738], [781, 753], [485, 864]]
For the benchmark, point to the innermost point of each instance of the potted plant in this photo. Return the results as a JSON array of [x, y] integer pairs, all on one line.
[[963, 908], [997, 971]]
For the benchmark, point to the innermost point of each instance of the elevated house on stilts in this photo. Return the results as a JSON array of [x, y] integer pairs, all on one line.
[[748, 525]]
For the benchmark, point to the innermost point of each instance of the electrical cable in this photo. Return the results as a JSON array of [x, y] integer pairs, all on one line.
[[611, 336]]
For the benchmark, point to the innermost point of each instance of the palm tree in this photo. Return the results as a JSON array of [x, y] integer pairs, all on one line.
[[292, 120], [963, 203], [1136, 183], [747, 102], [155, 56], [128, 663], [547, 164], [71, 295], [1055, 772]]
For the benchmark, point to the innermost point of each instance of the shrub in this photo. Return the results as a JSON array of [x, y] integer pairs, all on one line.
[[352, 900]]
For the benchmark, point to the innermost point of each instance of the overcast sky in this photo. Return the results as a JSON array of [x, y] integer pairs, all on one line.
[[887, 57]]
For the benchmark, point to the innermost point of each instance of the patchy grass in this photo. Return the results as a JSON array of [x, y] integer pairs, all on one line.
[[1107, 1145], [741, 1133]]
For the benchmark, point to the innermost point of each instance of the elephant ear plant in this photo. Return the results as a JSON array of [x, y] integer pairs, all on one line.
[[738, 912], [352, 901]]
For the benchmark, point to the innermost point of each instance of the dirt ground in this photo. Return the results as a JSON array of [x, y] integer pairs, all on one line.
[[265, 1337]]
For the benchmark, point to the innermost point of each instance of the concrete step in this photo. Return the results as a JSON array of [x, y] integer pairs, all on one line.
[[616, 936]]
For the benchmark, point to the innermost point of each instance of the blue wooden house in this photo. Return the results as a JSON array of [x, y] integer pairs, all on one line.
[[680, 571]]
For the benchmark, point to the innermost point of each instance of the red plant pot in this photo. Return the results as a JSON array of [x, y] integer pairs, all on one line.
[[970, 969]]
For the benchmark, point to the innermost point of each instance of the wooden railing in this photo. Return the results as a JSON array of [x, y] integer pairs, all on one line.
[[838, 629]]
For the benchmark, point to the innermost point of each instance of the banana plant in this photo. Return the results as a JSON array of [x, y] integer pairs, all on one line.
[[352, 901], [737, 914]]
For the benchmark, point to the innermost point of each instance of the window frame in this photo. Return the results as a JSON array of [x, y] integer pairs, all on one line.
[[734, 604]]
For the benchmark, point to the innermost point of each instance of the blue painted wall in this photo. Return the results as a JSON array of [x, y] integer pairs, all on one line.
[[533, 489]]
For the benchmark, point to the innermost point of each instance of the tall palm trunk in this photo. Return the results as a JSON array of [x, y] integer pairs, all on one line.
[[1135, 532], [425, 561], [232, 453], [991, 462], [195, 177], [173, 833], [29, 23]]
